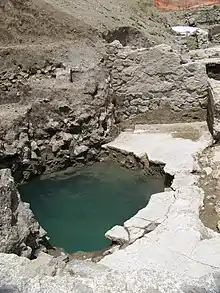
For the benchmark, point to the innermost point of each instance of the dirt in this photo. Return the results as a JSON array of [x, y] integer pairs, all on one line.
[[166, 116], [44, 21], [210, 168]]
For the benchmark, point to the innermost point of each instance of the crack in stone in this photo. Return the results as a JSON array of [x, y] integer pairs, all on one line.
[[197, 261]]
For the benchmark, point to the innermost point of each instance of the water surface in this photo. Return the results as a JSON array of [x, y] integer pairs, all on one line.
[[77, 208]]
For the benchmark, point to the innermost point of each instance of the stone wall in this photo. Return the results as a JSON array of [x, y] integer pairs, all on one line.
[[144, 80]]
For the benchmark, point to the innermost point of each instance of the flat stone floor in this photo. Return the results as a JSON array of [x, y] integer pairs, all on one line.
[[171, 144]]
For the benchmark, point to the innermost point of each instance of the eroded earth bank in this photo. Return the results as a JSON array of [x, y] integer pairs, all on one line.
[[91, 79]]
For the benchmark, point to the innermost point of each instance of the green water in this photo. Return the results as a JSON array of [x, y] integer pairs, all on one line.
[[77, 208]]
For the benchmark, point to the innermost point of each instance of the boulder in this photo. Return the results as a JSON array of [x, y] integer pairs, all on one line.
[[20, 233]]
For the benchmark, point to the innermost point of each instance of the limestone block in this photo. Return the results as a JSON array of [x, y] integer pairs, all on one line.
[[118, 234], [135, 233]]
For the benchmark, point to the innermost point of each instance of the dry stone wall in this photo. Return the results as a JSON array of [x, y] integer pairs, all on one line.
[[143, 80]]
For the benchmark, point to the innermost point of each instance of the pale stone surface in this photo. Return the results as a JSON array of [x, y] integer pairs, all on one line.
[[208, 170], [117, 233], [18, 275], [212, 52], [216, 156], [184, 29], [154, 212], [180, 243], [161, 146]]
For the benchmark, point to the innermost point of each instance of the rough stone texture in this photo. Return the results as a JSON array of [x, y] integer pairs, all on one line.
[[45, 132], [170, 144], [212, 52], [118, 233], [148, 79], [20, 233], [214, 109], [192, 37], [53, 132], [214, 34], [22, 275], [48, 122], [209, 180]]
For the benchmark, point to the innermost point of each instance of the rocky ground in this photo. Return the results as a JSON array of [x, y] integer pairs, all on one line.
[[73, 74]]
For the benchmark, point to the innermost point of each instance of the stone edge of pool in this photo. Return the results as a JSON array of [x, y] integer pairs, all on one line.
[[178, 241], [180, 255]]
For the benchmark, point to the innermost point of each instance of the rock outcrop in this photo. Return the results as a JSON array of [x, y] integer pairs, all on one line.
[[179, 255], [53, 116], [20, 233]]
